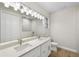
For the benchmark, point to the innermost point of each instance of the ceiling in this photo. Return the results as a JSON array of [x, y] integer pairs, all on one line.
[[54, 6]]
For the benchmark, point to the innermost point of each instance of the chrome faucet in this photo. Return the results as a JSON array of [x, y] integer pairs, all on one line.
[[20, 41], [38, 36]]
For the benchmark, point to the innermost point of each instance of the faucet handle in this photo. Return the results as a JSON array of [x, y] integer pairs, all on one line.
[[20, 41]]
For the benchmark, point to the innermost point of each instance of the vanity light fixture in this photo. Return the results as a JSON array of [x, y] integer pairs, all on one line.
[[23, 8], [17, 6]]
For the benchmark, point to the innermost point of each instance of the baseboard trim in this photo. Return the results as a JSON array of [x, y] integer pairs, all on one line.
[[69, 49]]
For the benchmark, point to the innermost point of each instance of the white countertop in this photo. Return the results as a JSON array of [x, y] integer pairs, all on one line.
[[12, 52]]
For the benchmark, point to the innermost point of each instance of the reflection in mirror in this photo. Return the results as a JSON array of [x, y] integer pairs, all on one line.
[[13, 30], [26, 24], [9, 24], [46, 23], [9, 27]]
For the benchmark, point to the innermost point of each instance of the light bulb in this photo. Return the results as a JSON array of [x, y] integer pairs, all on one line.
[[32, 13], [6, 4], [22, 10], [43, 17], [40, 17], [17, 6], [26, 10], [27, 13], [37, 16]]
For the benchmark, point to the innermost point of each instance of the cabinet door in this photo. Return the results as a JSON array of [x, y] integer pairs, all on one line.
[[33, 53], [45, 49]]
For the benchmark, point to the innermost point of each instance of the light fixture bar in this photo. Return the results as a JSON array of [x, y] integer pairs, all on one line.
[[23, 8]]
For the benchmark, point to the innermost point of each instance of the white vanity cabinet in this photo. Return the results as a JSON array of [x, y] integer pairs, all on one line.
[[42, 50], [33, 53], [45, 49]]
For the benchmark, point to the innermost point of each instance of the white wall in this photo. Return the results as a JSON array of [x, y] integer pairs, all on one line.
[[65, 27]]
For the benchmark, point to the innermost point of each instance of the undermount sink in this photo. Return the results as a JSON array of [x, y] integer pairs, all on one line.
[[41, 38], [29, 44], [19, 48]]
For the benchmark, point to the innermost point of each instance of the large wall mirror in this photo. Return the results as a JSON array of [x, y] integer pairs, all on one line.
[[9, 24], [11, 28], [26, 24]]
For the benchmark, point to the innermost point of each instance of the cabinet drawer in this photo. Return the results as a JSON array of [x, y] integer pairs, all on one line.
[[33, 53]]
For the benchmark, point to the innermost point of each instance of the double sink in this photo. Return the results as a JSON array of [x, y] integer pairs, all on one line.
[[26, 45]]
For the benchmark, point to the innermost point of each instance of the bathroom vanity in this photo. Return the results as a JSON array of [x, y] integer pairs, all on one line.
[[16, 27], [34, 48]]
